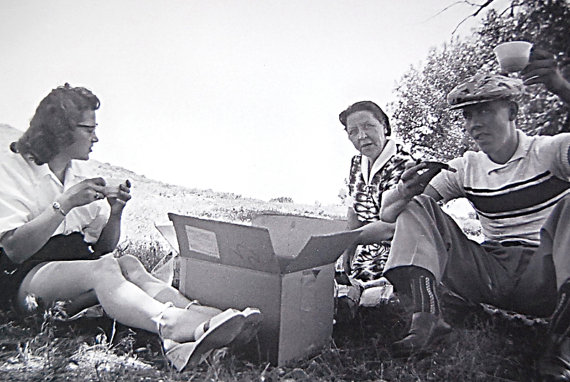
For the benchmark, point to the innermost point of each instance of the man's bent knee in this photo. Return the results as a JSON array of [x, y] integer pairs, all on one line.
[[425, 202], [419, 207]]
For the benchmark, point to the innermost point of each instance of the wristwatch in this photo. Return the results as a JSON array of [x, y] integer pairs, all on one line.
[[56, 206]]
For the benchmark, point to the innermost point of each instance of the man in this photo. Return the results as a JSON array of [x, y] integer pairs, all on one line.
[[518, 186]]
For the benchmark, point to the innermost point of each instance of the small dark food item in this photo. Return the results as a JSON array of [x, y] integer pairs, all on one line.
[[443, 166]]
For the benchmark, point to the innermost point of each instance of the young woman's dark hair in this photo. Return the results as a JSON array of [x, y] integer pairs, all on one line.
[[52, 125], [370, 106]]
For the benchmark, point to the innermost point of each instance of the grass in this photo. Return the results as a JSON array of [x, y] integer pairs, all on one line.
[[480, 348]]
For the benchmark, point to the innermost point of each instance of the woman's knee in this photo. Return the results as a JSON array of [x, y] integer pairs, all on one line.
[[130, 262], [107, 268], [66, 280], [132, 268]]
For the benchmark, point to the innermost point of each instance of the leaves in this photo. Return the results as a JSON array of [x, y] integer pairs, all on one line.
[[420, 115]]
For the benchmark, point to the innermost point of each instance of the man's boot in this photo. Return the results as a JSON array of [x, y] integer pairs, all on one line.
[[427, 325], [554, 364], [426, 329]]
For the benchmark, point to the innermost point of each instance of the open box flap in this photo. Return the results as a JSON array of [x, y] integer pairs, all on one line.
[[290, 233], [167, 231], [321, 250], [226, 243]]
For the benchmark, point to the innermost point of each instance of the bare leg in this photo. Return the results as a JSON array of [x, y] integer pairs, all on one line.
[[120, 298], [135, 272], [81, 302]]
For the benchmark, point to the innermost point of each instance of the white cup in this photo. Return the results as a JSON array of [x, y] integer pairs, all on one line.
[[513, 56]]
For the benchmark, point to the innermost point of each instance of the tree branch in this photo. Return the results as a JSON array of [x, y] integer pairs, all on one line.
[[474, 14], [445, 9]]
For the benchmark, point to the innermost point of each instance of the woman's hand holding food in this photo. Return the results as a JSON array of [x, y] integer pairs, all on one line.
[[93, 189], [84, 192], [118, 196]]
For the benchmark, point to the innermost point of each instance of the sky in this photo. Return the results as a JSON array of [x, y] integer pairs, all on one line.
[[238, 96]]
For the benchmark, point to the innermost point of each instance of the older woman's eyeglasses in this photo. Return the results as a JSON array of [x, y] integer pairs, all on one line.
[[354, 131]]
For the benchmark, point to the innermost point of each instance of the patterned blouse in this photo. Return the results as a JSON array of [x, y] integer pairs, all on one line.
[[365, 189]]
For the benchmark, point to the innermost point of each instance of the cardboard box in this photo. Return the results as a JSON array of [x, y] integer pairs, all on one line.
[[168, 233], [281, 264]]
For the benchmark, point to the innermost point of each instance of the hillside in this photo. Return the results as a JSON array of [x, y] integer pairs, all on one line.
[[152, 200]]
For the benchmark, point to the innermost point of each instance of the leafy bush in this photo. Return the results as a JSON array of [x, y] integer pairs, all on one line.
[[420, 114]]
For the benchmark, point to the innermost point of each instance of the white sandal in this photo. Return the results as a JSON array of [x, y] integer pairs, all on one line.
[[253, 319], [215, 333]]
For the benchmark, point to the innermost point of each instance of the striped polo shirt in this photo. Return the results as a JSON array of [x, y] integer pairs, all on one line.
[[512, 200]]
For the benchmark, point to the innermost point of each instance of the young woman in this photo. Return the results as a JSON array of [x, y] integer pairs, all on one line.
[[58, 227]]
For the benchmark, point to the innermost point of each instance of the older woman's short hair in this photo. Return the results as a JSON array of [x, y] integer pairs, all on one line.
[[53, 122], [370, 106]]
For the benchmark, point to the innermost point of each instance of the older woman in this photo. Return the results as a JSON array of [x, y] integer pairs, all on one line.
[[376, 168], [57, 224]]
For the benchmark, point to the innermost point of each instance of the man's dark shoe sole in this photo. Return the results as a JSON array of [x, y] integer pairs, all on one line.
[[426, 331], [553, 369]]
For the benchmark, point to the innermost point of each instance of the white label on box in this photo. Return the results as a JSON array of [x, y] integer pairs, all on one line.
[[203, 241]]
